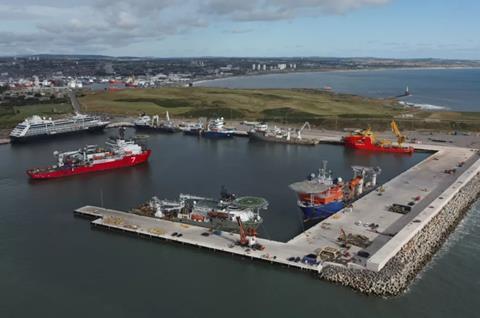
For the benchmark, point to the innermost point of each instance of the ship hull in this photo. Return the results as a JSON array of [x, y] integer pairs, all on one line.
[[25, 139], [321, 212], [192, 132], [217, 134], [365, 144], [160, 129], [217, 224], [127, 161], [258, 136]]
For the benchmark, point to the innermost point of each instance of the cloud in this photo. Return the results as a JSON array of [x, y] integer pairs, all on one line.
[[90, 26], [238, 31], [268, 10]]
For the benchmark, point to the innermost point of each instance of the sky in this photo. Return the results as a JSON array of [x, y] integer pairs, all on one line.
[[261, 28]]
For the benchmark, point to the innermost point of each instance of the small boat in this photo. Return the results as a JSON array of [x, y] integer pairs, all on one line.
[[118, 153]]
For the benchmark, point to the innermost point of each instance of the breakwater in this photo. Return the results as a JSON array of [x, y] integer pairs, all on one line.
[[397, 274]]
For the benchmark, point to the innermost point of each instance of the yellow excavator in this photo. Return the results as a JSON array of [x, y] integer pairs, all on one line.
[[400, 138]]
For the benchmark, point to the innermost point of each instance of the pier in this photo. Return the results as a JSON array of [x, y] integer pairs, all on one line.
[[364, 237]]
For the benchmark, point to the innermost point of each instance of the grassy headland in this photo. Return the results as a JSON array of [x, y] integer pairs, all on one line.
[[324, 109]]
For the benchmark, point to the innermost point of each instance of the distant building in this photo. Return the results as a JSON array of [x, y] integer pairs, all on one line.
[[75, 84]]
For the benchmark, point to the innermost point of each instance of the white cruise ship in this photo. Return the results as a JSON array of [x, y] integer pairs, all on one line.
[[37, 126]]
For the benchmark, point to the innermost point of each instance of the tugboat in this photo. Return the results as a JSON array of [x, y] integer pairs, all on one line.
[[119, 153], [216, 129], [321, 196], [154, 123], [366, 140], [222, 214]]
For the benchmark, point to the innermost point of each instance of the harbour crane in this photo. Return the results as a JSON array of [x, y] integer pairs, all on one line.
[[247, 237], [299, 132], [400, 138], [243, 235]]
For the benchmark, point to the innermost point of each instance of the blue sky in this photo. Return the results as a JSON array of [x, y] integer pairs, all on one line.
[[379, 28]]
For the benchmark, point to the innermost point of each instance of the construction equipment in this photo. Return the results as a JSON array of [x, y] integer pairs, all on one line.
[[243, 236], [248, 237], [400, 138], [299, 132], [343, 238], [327, 253]]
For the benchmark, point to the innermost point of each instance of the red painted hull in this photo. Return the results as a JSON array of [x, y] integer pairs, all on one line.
[[127, 161], [365, 143]]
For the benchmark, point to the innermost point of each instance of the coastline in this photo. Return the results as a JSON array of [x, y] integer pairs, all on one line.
[[375, 69]]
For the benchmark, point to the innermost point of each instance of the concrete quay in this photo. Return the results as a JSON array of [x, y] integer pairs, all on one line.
[[274, 252], [375, 263]]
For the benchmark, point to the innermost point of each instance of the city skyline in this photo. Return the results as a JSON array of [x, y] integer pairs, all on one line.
[[262, 28]]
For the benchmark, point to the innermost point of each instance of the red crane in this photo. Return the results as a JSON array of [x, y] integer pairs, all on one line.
[[243, 235]]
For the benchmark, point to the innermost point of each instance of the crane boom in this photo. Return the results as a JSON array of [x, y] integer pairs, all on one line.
[[396, 131], [243, 235], [299, 132]]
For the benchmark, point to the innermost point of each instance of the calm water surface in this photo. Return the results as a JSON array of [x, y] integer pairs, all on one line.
[[457, 89], [54, 265]]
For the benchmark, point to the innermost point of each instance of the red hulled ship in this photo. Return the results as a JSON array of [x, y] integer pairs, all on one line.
[[366, 140], [118, 153]]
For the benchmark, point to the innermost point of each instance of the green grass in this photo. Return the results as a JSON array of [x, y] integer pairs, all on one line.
[[233, 103], [323, 109], [10, 116]]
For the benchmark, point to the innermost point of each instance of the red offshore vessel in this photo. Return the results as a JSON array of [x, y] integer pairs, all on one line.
[[119, 153], [366, 140]]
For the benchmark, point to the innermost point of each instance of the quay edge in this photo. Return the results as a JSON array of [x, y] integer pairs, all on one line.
[[395, 277]]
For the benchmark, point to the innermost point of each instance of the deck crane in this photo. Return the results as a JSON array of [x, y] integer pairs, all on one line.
[[299, 132], [155, 121], [400, 138]]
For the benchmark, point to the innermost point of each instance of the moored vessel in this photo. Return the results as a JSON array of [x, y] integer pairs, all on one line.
[[192, 129], [261, 132], [118, 153], [216, 129], [320, 196], [145, 122], [36, 126], [223, 214], [366, 140]]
